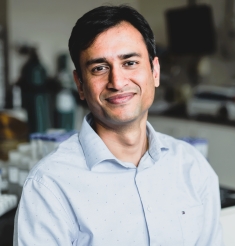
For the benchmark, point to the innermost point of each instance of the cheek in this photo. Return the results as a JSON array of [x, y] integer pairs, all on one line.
[[149, 92], [147, 83], [92, 92]]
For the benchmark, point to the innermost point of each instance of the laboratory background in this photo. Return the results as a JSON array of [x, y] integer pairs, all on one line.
[[40, 106]]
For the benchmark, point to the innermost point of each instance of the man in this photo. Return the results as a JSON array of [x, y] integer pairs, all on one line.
[[118, 182]]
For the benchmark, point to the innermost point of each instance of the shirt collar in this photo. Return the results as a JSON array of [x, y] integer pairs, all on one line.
[[96, 151], [156, 143], [94, 148]]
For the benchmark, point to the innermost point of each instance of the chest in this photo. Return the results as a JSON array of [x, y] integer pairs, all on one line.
[[152, 207]]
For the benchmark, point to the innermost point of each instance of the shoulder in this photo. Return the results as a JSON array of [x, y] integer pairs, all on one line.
[[68, 156], [187, 158]]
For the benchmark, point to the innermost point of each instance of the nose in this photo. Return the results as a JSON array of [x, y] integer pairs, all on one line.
[[117, 79]]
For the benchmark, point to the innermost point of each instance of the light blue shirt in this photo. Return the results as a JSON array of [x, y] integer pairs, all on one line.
[[82, 195]]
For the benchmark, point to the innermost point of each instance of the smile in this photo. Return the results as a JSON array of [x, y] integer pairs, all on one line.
[[121, 98]]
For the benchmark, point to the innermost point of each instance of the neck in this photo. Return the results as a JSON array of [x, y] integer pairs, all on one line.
[[127, 143]]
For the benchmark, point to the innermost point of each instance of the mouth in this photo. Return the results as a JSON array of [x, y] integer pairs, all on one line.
[[120, 98]]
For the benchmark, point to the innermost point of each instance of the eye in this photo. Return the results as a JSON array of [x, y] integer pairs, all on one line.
[[100, 69], [130, 63]]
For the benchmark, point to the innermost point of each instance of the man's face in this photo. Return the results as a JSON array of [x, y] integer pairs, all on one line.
[[117, 80]]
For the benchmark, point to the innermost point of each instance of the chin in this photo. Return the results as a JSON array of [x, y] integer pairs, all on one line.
[[123, 119]]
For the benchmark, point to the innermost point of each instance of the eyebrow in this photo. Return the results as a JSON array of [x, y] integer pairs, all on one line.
[[103, 59], [126, 56], [96, 60]]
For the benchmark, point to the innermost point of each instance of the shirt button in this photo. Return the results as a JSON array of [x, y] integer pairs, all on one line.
[[149, 209]]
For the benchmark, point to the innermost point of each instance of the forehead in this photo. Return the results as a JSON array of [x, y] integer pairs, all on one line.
[[123, 37]]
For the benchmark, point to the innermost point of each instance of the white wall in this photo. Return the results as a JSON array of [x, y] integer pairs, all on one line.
[[48, 24]]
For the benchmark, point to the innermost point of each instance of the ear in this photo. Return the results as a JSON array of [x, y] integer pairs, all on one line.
[[156, 71], [79, 85]]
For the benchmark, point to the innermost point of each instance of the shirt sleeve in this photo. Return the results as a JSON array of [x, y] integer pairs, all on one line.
[[211, 233], [41, 218]]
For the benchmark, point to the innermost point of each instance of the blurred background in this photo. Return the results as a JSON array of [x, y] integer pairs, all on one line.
[[40, 107]]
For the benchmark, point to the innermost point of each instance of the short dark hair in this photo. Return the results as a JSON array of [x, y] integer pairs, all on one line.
[[99, 20]]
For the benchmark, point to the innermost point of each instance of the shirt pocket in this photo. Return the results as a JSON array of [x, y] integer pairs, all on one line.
[[191, 221]]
